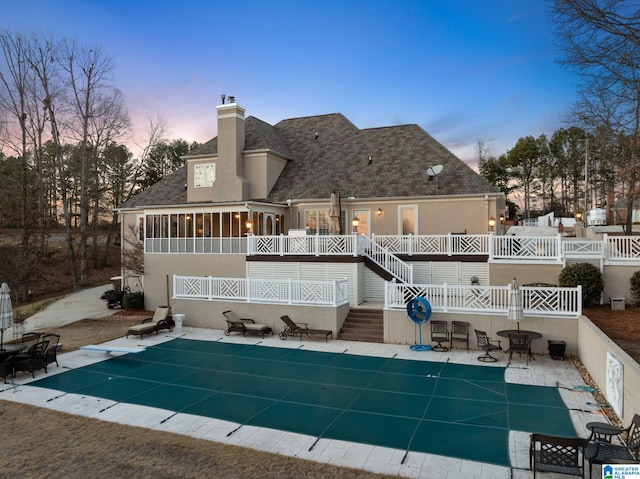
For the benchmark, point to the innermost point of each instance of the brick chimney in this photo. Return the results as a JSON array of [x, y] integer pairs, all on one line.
[[231, 185]]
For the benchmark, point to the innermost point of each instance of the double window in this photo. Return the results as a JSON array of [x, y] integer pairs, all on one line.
[[319, 221]]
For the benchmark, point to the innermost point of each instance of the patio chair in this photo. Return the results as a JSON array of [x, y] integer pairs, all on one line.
[[6, 366], [33, 360], [244, 325], [439, 333], [293, 329], [485, 343], [563, 455], [160, 320], [459, 332], [602, 452], [29, 339], [519, 343], [51, 354]]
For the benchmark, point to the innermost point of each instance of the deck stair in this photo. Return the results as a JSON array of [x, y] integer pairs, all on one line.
[[363, 324]]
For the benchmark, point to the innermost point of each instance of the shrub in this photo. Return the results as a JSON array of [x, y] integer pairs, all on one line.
[[588, 276], [635, 287], [133, 301]]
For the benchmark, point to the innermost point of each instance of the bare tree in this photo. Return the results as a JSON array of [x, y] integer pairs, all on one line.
[[43, 59], [600, 40], [133, 254], [87, 70], [13, 98], [109, 123]]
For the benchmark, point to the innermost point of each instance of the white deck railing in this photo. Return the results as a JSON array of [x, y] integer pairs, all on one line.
[[549, 249], [287, 291], [536, 248], [448, 245], [623, 247], [314, 245], [537, 301]]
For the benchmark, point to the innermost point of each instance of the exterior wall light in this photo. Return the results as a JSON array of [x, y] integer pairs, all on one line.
[[379, 212], [355, 222], [492, 223]]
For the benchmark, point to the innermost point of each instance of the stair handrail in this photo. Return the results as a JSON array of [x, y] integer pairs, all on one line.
[[385, 259]]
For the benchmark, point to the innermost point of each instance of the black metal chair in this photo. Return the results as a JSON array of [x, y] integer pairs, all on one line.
[[519, 343], [32, 360], [51, 354], [6, 366], [564, 455], [485, 343], [459, 332], [29, 339], [439, 333], [601, 452]]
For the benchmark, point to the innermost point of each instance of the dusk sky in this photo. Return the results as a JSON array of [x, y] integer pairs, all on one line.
[[464, 70]]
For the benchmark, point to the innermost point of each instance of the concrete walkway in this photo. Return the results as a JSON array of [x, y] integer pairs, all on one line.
[[84, 304]]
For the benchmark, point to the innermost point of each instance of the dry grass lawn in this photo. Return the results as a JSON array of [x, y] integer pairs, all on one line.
[[39, 442]]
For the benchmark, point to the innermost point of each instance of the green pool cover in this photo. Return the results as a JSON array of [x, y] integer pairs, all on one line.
[[433, 407]]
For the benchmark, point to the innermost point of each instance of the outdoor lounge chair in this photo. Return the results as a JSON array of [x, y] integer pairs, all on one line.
[[243, 325], [602, 452], [563, 455], [294, 329], [485, 343], [439, 334], [160, 320]]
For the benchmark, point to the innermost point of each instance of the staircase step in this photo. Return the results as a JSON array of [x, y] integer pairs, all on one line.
[[363, 324]]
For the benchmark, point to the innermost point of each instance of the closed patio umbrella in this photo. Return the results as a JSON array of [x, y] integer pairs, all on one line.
[[334, 214], [6, 313], [515, 310]]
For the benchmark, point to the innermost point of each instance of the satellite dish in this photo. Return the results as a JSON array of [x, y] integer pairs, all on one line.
[[434, 170]]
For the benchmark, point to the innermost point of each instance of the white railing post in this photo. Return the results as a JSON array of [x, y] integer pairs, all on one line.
[[410, 252], [490, 245], [559, 255], [316, 244], [445, 302], [449, 244], [605, 246], [354, 243], [290, 292]]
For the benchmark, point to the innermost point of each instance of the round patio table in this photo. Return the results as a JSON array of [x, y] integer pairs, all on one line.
[[530, 334], [602, 431], [10, 349]]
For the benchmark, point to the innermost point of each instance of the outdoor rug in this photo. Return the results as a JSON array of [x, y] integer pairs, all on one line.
[[440, 408]]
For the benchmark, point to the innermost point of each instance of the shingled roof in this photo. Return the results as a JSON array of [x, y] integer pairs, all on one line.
[[328, 153], [338, 160]]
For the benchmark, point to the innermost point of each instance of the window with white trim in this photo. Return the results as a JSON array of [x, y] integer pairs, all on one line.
[[204, 175]]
